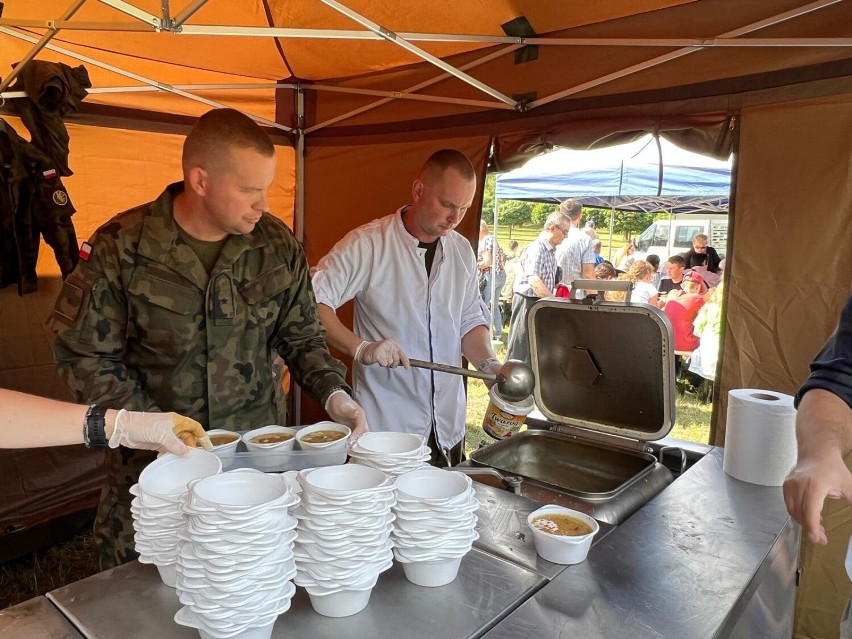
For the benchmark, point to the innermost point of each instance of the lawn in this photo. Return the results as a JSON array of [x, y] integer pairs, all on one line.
[[526, 234]]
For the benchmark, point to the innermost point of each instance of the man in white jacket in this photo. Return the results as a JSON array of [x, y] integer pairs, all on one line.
[[413, 279]]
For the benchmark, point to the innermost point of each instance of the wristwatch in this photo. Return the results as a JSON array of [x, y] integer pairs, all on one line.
[[94, 427]]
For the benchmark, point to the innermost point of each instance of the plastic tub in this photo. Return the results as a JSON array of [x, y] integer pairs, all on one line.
[[504, 418], [562, 549], [432, 573]]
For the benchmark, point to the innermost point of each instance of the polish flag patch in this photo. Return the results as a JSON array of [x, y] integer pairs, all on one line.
[[49, 174], [85, 251]]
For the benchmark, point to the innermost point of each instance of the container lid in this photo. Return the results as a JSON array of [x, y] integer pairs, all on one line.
[[607, 367]]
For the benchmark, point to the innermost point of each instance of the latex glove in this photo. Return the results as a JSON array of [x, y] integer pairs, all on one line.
[[384, 352], [344, 410], [154, 431], [494, 367]]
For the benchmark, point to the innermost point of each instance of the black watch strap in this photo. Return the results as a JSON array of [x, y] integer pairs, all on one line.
[[95, 426]]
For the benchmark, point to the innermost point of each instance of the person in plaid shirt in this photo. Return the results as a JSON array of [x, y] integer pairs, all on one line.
[[536, 278]]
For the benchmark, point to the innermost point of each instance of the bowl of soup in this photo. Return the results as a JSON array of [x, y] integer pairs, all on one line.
[[270, 446], [225, 444], [562, 535], [323, 436]]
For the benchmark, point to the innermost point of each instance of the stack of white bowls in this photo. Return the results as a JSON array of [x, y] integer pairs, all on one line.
[[236, 561], [156, 507], [392, 453], [343, 540], [435, 524]]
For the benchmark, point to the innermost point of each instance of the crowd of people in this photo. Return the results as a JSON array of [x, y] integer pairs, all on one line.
[[566, 250]]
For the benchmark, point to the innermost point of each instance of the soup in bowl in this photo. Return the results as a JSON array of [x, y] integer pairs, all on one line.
[[562, 535]]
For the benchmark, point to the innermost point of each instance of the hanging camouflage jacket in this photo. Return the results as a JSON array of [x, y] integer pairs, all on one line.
[[33, 203], [140, 324]]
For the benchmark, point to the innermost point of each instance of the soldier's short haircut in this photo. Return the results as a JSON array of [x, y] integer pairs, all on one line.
[[571, 209], [445, 159], [219, 130], [677, 260]]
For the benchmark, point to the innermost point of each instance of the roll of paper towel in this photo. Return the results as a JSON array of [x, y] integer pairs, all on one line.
[[760, 436]]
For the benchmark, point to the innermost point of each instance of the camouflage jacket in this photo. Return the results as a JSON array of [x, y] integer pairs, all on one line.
[[140, 324]]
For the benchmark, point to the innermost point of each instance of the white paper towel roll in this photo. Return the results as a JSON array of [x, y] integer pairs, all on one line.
[[760, 436]]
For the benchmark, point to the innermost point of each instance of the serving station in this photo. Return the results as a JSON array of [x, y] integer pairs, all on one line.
[[710, 556], [681, 549]]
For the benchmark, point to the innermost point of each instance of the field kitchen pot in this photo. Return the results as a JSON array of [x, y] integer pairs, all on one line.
[[604, 380]]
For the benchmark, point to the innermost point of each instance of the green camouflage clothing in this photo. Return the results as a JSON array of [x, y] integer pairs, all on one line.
[[142, 326]]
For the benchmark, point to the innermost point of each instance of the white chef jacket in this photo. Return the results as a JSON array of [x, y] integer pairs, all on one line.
[[381, 267]]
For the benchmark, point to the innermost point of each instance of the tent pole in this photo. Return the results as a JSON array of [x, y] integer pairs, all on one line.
[[395, 38], [611, 227], [39, 45], [187, 13], [422, 85], [679, 53], [300, 210], [140, 78], [134, 12], [494, 296]]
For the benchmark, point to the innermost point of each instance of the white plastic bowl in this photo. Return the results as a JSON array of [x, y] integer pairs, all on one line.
[[169, 475], [225, 452], [391, 443], [240, 490], [433, 486], [340, 481], [270, 456], [341, 604], [562, 549], [432, 573], [168, 573], [335, 445]]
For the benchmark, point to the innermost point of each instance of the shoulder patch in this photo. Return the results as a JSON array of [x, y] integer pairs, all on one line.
[[60, 197], [86, 251]]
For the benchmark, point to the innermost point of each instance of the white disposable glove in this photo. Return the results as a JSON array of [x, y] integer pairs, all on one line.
[[154, 431], [384, 352], [345, 410]]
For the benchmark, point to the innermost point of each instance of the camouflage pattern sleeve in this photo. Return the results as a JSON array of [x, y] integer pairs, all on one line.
[[298, 335], [89, 319]]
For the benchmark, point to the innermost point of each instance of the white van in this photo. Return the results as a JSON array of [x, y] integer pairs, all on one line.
[[672, 236]]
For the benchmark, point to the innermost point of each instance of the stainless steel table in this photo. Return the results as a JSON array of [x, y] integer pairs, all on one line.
[[710, 556], [35, 619], [130, 601], [503, 529]]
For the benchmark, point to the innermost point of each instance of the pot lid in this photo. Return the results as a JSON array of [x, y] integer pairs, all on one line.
[[605, 366]]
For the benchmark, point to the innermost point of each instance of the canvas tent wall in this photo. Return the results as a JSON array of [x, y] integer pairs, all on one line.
[[373, 87], [626, 177]]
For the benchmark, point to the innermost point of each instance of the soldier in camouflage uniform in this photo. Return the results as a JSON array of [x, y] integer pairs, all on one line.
[[181, 304]]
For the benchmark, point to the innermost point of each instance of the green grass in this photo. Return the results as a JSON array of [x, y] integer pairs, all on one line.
[[692, 421], [526, 234]]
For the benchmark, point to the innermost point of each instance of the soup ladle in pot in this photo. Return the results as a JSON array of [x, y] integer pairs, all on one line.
[[515, 380]]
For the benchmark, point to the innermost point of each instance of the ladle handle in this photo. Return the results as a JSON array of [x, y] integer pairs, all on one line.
[[455, 370]]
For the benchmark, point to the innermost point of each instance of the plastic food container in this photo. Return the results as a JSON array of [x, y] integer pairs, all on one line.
[[504, 418], [226, 451], [270, 456], [562, 549], [432, 573]]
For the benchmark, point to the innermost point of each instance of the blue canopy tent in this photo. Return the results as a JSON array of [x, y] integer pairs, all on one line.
[[625, 177]]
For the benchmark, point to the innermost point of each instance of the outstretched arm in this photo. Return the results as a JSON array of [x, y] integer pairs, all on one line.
[[824, 436], [27, 421]]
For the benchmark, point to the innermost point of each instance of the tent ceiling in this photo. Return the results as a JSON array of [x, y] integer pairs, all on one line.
[[423, 68]]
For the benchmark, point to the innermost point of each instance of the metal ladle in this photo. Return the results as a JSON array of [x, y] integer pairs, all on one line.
[[515, 380]]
